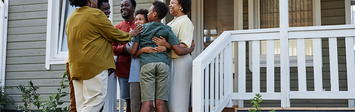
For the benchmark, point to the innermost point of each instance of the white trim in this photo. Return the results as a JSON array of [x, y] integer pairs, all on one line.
[[284, 49], [238, 25], [111, 9], [348, 12], [52, 33], [3, 40]]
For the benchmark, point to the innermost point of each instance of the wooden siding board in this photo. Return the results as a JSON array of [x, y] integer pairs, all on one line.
[[28, 8], [333, 4], [27, 30], [41, 90], [36, 82], [28, 23], [26, 45], [26, 37], [28, 15], [333, 12], [26, 2], [27, 52], [25, 67], [25, 60], [32, 67], [19, 75]]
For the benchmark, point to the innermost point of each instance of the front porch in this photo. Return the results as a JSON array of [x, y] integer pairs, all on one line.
[[277, 77], [213, 69]]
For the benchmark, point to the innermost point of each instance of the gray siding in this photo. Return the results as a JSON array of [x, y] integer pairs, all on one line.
[[26, 49]]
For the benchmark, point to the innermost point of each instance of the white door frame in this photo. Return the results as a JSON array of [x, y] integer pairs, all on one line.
[[3, 40]]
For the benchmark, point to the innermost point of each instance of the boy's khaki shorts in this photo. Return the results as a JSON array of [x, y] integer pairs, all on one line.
[[154, 81]]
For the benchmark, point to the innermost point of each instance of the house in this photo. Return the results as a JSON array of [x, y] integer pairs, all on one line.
[[244, 37]]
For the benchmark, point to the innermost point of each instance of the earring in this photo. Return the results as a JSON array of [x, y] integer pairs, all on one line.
[[181, 9]]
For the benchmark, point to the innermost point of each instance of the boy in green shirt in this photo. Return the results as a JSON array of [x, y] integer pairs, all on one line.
[[155, 66]]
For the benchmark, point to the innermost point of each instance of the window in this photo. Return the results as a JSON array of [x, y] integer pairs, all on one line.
[[218, 17], [300, 15], [353, 11], [56, 45]]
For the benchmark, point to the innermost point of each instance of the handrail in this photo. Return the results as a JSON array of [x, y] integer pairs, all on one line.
[[211, 71]]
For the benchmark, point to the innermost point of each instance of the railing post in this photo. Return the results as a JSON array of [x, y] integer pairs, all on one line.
[[284, 44], [230, 72], [197, 87]]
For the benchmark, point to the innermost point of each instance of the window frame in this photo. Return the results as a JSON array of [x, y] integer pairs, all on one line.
[[255, 24], [4, 11], [55, 32]]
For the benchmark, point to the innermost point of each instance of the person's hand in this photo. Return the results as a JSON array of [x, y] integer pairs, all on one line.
[[128, 47], [110, 71], [160, 49], [136, 30], [160, 41], [193, 44], [148, 50]]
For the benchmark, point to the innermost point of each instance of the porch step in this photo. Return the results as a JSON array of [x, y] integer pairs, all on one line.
[[299, 109]]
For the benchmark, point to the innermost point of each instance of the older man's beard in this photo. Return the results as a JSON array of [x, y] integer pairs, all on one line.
[[126, 16]]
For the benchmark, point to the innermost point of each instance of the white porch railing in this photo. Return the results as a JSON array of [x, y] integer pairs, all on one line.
[[212, 86]]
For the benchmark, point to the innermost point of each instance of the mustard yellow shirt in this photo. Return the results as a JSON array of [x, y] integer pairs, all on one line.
[[90, 36], [183, 30]]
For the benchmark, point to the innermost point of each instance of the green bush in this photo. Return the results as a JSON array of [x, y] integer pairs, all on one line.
[[30, 96], [256, 101], [5, 99], [54, 100]]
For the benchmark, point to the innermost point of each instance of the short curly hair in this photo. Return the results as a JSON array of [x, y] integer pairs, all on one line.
[[78, 3], [161, 8], [143, 12], [134, 3], [99, 3], [186, 5]]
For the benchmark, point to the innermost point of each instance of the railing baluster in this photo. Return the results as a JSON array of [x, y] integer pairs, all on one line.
[[207, 75], [333, 62], [221, 76], [225, 72], [256, 66], [301, 65], [212, 106], [241, 70], [349, 45], [270, 56], [217, 81], [317, 64]]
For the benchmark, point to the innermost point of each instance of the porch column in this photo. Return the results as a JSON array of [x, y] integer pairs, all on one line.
[[284, 54], [238, 25]]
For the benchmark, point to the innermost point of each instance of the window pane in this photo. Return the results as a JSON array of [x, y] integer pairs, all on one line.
[[68, 10], [353, 13], [300, 14], [218, 17]]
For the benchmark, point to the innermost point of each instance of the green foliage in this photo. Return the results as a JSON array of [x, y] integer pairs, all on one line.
[[256, 101], [30, 96], [5, 99], [54, 100]]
